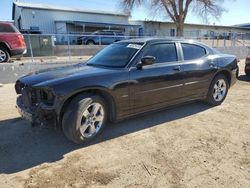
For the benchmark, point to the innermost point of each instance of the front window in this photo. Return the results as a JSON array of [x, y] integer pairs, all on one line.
[[115, 55]]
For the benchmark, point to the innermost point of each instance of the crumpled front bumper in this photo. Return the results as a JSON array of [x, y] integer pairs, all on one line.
[[35, 114]]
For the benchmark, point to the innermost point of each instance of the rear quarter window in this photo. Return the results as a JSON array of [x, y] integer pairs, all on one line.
[[192, 51]]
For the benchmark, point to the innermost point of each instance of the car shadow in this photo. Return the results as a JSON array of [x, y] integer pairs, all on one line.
[[23, 147], [245, 78]]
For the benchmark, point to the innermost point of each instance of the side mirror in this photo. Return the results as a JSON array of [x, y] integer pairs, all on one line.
[[147, 60]]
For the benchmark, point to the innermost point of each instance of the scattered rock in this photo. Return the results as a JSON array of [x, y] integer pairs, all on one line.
[[1, 85], [216, 178]]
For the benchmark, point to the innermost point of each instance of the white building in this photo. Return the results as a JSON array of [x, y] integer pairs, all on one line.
[[60, 20]]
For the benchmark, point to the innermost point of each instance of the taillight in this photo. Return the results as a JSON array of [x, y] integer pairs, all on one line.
[[21, 40]]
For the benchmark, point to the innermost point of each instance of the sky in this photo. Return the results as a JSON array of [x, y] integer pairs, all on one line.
[[237, 10]]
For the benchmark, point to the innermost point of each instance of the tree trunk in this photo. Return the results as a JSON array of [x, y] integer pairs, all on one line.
[[179, 28]]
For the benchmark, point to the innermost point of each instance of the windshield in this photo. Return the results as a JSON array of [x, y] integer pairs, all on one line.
[[115, 55]]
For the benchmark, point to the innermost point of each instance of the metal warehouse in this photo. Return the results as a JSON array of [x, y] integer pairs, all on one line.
[[60, 20]]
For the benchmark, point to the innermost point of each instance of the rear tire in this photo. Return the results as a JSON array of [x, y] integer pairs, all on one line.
[[218, 90], [4, 55], [85, 118]]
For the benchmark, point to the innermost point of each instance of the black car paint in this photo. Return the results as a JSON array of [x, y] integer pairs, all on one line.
[[129, 90]]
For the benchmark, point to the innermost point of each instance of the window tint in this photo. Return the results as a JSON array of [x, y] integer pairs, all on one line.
[[6, 28], [115, 55], [191, 51], [162, 52]]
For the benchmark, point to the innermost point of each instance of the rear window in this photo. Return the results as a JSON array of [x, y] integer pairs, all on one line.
[[192, 51], [163, 53], [7, 28]]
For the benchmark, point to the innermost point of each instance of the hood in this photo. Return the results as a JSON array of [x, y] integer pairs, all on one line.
[[49, 76]]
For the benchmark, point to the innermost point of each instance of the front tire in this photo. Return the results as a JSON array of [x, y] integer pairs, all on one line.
[[85, 118], [90, 42], [218, 90], [4, 55]]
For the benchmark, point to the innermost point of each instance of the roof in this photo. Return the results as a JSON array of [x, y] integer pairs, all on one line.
[[243, 25], [153, 39], [190, 24], [150, 40], [60, 8], [97, 23]]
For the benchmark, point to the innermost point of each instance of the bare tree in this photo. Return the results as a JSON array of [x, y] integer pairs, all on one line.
[[177, 10]]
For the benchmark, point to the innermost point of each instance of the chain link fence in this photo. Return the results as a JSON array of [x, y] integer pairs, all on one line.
[[78, 47]]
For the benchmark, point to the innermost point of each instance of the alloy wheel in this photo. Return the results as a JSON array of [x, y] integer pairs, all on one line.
[[92, 120], [2, 56], [220, 89]]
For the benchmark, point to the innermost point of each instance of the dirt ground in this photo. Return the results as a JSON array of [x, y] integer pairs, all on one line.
[[192, 145]]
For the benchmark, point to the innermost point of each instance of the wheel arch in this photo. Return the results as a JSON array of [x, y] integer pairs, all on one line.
[[5, 45], [90, 40], [110, 102], [226, 73]]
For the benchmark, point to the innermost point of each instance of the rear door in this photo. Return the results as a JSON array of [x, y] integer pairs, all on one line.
[[198, 69], [160, 84]]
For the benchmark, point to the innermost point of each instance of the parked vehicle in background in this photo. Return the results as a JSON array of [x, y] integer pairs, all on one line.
[[125, 79], [11, 42], [28, 31], [247, 66], [103, 37]]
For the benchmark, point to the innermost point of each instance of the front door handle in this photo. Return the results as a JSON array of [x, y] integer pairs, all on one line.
[[177, 68]]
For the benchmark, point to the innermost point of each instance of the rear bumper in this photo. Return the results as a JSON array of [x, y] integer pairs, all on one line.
[[18, 52]]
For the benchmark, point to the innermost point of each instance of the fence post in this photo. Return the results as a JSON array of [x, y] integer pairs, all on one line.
[[217, 42], [31, 50], [100, 43], [69, 50]]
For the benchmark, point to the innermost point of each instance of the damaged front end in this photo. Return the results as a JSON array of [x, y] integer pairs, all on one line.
[[36, 105]]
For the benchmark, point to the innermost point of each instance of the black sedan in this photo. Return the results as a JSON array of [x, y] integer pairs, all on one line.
[[124, 79]]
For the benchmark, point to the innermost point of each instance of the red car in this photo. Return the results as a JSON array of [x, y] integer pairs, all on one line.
[[11, 42], [247, 66]]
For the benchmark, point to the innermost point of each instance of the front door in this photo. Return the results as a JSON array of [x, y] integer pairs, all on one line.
[[157, 85]]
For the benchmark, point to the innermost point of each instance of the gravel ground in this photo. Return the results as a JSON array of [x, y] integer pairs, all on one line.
[[192, 145]]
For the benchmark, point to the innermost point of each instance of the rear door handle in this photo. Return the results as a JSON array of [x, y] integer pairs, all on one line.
[[177, 68]]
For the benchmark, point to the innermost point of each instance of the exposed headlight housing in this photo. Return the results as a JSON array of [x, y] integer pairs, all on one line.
[[47, 97]]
